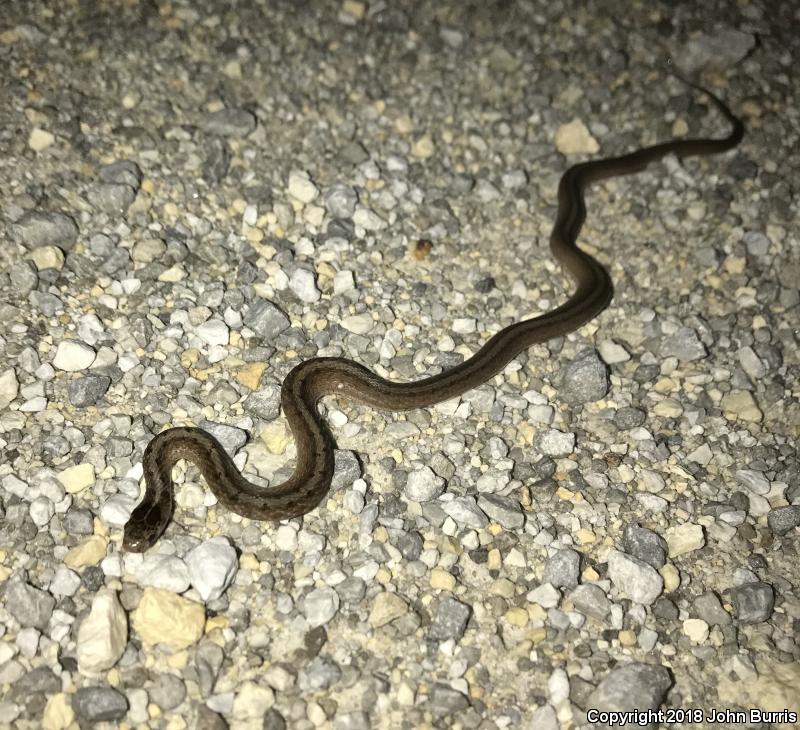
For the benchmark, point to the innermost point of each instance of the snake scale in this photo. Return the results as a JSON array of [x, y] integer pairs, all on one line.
[[311, 380]]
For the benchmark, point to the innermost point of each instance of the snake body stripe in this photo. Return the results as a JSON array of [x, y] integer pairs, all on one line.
[[311, 380]]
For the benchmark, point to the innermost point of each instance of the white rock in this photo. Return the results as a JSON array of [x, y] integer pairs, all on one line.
[[545, 595], [72, 356], [368, 220], [103, 635], [252, 702], [361, 324], [612, 353], [168, 572], [65, 582], [302, 283], [320, 606], [9, 387], [301, 187], [634, 578], [286, 538], [558, 686], [213, 332], [41, 511], [212, 567], [423, 485], [116, 510]]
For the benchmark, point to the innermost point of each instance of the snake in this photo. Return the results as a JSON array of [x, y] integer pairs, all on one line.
[[315, 378]]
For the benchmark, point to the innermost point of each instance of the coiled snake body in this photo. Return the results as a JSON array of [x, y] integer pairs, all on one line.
[[313, 379]]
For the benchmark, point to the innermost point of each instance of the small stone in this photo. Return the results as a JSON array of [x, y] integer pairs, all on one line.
[[58, 713], [303, 284], [423, 148], [103, 634], [9, 387], [88, 390], [72, 355], [556, 443], [213, 332], [742, 405], [696, 629], [386, 607], [634, 578], [43, 228], [168, 572], [148, 250], [320, 606], [753, 602], [450, 621], [48, 257], [590, 600], [683, 344], [782, 520], [465, 512], [544, 595], [340, 200], [88, 552], [230, 123], [685, 538], [98, 704], [265, 319], [645, 545], [507, 512], [423, 485], [252, 702], [575, 138], [708, 607], [77, 478], [212, 567], [585, 379], [165, 618], [631, 686], [360, 324], [301, 186], [28, 605], [40, 139], [562, 569]]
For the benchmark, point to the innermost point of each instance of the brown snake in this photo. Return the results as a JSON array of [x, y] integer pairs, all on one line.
[[315, 378]]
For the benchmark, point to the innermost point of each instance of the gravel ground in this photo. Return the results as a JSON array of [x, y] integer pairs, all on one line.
[[198, 196]]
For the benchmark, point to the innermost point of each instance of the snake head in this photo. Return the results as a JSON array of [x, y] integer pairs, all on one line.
[[145, 526]]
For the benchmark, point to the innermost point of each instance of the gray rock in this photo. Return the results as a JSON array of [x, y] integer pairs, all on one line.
[[451, 620], [208, 661], [444, 700], [627, 417], [503, 510], [230, 123], [340, 200], [112, 198], [633, 686], [562, 569], [585, 379], [591, 600], [122, 172], [28, 605], [320, 673], [264, 402], [346, 469], [752, 602], [167, 692], [86, 391], [683, 344], [423, 485], [634, 578], [465, 512], [41, 679], [273, 720], [207, 719], [96, 704], [265, 319], [645, 545], [708, 607], [784, 519], [44, 228]]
